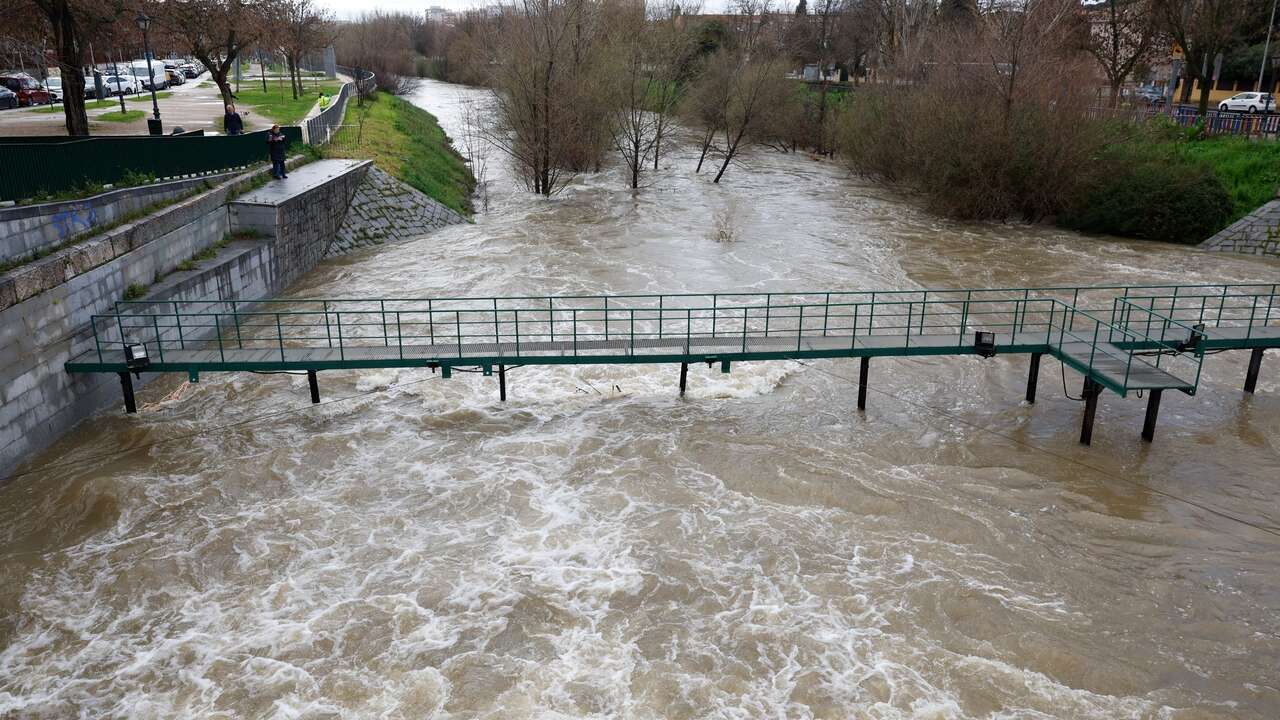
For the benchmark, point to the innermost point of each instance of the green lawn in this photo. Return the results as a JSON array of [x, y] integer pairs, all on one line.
[[406, 142], [90, 105], [277, 104], [146, 96], [117, 116], [1250, 170]]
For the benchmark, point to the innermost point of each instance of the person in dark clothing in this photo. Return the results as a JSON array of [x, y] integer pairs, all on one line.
[[276, 142], [232, 122]]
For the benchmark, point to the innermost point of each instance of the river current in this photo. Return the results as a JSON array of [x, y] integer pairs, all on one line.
[[598, 547]]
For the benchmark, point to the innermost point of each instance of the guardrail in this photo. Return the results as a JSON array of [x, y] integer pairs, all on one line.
[[322, 127], [633, 328], [1216, 122], [42, 168]]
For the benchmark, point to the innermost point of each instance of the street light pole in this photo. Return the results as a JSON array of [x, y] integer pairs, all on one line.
[[153, 125], [1266, 47]]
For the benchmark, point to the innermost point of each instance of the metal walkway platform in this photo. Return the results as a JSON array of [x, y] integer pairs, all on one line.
[[1123, 339]]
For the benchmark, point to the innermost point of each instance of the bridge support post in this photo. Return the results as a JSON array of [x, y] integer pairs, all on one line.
[[1033, 377], [864, 367], [502, 382], [315, 386], [126, 386], [1091, 392], [684, 377], [1255, 366], [1153, 409]]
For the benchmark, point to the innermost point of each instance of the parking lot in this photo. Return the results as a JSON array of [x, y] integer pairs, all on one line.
[[194, 105]]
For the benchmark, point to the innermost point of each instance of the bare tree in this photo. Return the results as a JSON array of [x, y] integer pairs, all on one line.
[[756, 83], [304, 27], [1202, 28], [216, 32], [1121, 37], [72, 24], [704, 104], [548, 93]]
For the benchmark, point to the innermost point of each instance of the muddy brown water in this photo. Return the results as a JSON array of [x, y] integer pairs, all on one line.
[[598, 547]]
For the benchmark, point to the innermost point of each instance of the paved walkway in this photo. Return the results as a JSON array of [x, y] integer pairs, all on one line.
[[299, 181]]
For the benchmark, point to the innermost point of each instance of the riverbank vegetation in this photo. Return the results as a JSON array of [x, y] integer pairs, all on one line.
[[982, 112], [408, 143]]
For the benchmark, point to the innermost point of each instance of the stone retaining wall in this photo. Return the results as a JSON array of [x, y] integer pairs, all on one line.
[[46, 306], [29, 229], [1257, 233], [385, 209]]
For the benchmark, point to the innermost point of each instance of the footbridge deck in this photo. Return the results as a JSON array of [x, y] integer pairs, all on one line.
[[1123, 339]]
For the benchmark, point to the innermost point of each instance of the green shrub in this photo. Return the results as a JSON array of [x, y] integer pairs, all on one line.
[[135, 291], [1151, 192]]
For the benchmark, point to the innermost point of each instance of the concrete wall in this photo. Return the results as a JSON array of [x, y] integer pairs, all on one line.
[[303, 225], [1257, 233], [29, 229], [45, 308]]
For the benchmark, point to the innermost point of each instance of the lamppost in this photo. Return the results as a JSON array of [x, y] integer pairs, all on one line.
[[153, 125], [1266, 47]]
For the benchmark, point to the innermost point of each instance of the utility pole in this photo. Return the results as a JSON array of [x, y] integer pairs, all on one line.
[[1266, 47]]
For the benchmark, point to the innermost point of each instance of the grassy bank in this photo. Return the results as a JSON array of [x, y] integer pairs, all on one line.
[[408, 143], [1249, 170]]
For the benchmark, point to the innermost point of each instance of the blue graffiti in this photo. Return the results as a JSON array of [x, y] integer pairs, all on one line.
[[74, 220]]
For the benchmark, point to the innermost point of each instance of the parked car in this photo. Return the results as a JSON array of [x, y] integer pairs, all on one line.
[[26, 88], [1150, 96], [189, 70], [53, 84], [173, 75], [8, 98], [112, 85], [1249, 102]]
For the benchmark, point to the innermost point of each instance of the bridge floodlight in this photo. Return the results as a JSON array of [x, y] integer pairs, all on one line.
[[984, 343], [135, 357]]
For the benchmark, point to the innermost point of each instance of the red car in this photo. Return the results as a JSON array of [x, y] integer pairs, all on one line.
[[26, 88]]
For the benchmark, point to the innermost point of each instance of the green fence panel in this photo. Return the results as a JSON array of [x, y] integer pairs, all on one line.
[[32, 169]]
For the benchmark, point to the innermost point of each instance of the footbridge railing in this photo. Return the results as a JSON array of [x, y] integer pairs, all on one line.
[[1143, 338]]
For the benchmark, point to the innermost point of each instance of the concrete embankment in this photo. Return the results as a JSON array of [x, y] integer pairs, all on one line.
[[231, 242]]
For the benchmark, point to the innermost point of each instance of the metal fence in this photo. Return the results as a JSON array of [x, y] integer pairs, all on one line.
[[39, 168], [322, 127], [1216, 122], [1136, 338]]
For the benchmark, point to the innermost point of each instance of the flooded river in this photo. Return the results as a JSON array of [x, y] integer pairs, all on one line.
[[598, 547]]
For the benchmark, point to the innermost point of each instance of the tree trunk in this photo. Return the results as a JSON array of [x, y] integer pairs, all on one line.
[[706, 146], [822, 116], [262, 72], [1205, 88], [292, 66], [219, 76], [71, 60], [1114, 100], [729, 152], [1188, 77]]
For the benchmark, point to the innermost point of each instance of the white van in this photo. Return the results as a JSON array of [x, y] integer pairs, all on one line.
[[139, 70]]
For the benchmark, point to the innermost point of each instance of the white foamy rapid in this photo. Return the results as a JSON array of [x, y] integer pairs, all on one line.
[[598, 547]]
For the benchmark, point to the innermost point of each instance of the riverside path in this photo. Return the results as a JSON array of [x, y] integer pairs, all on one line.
[[1123, 339]]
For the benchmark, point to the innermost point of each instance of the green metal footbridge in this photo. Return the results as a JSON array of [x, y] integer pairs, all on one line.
[[1124, 339]]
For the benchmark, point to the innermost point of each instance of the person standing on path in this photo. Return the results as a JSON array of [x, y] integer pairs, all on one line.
[[232, 122], [276, 142]]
